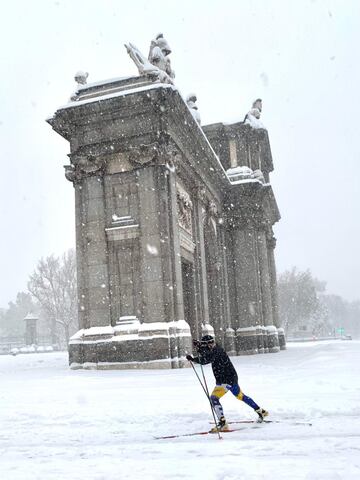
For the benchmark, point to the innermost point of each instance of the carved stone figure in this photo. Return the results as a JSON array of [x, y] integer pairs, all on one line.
[[184, 208], [270, 240], [252, 118], [191, 103], [212, 209], [159, 55], [81, 78], [144, 154], [257, 105], [157, 67]]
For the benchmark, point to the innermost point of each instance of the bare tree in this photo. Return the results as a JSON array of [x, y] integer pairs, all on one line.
[[53, 284], [299, 300]]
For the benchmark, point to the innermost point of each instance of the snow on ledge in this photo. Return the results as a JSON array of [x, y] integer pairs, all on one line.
[[248, 180], [131, 329], [162, 363], [104, 82], [244, 174], [246, 329], [145, 327], [122, 93], [271, 329]]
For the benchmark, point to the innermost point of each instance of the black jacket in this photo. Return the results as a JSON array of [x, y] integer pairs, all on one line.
[[224, 371]]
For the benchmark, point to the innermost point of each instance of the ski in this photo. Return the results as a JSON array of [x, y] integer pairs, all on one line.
[[255, 422], [270, 421], [196, 433]]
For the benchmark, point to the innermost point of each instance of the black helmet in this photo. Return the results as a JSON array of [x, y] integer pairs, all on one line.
[[206, 339]]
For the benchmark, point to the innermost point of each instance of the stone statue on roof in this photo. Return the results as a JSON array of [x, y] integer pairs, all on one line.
[[191, 100], [158, 66], [252, 118], [81, 78], [159, 54]]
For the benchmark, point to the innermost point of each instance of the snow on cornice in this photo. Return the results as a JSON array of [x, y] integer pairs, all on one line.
[[122, 93]]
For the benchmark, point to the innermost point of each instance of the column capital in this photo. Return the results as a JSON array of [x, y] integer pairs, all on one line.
[[271, 242], [84, 166]]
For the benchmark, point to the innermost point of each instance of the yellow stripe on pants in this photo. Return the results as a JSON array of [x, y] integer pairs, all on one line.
[[219, 391]]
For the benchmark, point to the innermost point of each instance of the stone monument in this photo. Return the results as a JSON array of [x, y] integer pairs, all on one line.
[[174, 223], [31, 337]]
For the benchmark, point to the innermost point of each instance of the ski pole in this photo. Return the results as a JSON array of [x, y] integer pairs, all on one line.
[[206, 391], [206, 387], [202, 386], [208, 395]]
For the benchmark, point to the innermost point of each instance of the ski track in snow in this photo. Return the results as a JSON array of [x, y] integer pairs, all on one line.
[[100, 425]]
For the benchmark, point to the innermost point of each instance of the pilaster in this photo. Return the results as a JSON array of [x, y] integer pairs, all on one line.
[[91, 244], [271, 244], [200, 259], [265, 281]]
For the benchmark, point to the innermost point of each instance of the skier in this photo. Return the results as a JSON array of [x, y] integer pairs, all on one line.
[[225, 376]]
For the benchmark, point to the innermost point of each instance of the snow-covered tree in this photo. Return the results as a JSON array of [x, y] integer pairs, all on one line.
[[353, 319], [343, 314], [300, 305], [53, 284]]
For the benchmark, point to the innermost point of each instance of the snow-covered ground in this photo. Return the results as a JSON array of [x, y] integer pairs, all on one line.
[[100, 425]]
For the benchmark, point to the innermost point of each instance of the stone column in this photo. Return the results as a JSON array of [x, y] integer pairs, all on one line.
[[229, 332], [200, 260], [151, 281], [271, 243], [214, 270], [92, 254], [230, 341], [91, 248], [160, 273], [264, 275], [172, 256], [81, 268], [245, 270]]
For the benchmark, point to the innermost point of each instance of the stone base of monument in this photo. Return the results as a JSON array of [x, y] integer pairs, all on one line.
[[266, 340], [246, 341], [282, 341], [260, 334], [230, 341], [207, 329], [272, 339], [259, 339], [131, 345]]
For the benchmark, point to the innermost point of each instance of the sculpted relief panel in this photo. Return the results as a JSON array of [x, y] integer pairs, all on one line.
[[184, 209]]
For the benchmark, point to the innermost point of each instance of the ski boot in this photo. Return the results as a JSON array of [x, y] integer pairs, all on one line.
[[221, 426], [262, 414]]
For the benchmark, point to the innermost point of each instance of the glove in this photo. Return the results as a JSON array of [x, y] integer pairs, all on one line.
[[189, 357]]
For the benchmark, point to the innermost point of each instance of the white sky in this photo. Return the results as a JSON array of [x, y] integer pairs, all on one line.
[[300, 57]]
